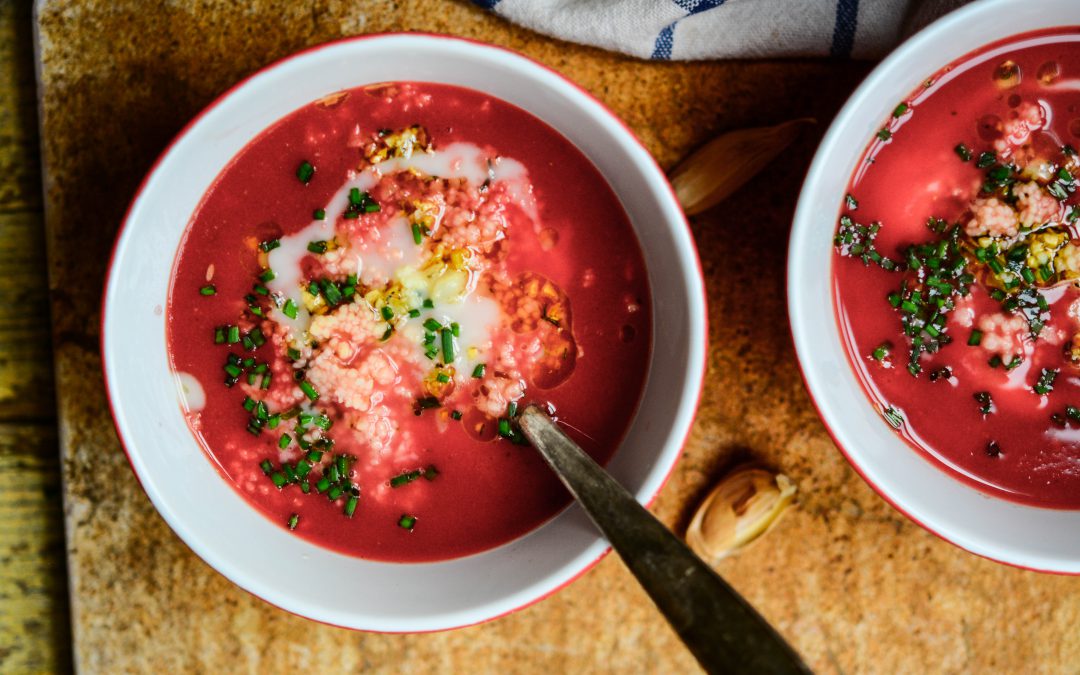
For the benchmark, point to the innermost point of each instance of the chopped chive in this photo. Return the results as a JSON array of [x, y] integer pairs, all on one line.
[[355, 198], [335, 492], [268, 246], [233, 335], [900, 110], [511, 409], [975, 338], [319, 214], [430, 472], [279, 479], [404, 478], [289, 310], [267, 275], [884, 134], [350, 506], [305, 171], [342, 465], [447, 345], [417, 235], [284, 441], [292, 352], [432, 325], [426, 402], [323, 422], [331, 292], [893, 417], [504, 427], [881, 352], [963, 152], [428, 303], [455, 329], [305, 487], [1072, 413], [414, 313], [294, 519], [302, 470], [317, 246], [478, 371], [266, 466], [233, 370], [442, 378], [1045, 384], [387, 333], [851, 202], [407, 522], [209, 289], [290, 473], [387, 312], [323, 485], [309, 390], [219, 335], [372, 207], [456, 415]]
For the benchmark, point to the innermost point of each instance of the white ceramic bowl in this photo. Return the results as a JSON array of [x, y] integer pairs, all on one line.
[[1040, 539], [261, 556]]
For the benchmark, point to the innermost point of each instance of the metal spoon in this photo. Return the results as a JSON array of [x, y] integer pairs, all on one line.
[[721, 629]]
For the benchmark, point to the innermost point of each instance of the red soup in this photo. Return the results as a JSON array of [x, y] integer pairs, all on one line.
[[957, 264], [370, 292]]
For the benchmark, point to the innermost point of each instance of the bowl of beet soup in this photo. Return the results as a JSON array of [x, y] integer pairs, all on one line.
[[932, 281], [336, 287]]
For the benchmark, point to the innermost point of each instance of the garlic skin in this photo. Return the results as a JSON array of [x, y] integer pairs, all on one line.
[[720, 167], [742, 507]]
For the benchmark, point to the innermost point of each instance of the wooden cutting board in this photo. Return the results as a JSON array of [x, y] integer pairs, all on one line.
[[854, 585]]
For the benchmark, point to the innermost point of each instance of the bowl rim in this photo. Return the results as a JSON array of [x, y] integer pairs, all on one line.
[[804, 220], [651, 165]]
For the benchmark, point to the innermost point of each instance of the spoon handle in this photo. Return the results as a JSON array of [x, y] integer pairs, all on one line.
[[721, 629]]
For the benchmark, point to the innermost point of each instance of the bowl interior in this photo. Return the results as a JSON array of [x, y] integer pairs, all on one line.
[[261, 556], [1041, 539]]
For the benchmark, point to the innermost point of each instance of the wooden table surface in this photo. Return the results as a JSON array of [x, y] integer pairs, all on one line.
[[854, 585]]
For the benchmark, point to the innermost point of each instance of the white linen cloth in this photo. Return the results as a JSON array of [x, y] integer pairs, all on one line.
[[717, 29]]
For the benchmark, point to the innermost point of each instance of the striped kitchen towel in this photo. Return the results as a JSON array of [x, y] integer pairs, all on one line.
[[716, 29]]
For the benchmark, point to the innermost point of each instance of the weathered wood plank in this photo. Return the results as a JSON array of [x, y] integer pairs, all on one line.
[[34, 634], [20, 168], [26, 378], [34, 626]]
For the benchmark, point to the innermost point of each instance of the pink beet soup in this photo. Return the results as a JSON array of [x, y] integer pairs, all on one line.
[[370, 293], [957, 265]]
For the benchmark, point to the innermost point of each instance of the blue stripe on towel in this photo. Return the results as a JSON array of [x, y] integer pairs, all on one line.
[[696, 6], [486, 4], [847, 17], [665, 40]]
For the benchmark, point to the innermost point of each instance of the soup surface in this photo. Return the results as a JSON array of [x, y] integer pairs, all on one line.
[[370, 291], [957, 263]]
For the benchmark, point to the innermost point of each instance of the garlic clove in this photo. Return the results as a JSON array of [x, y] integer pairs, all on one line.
[[742, 507], [723, 165]]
